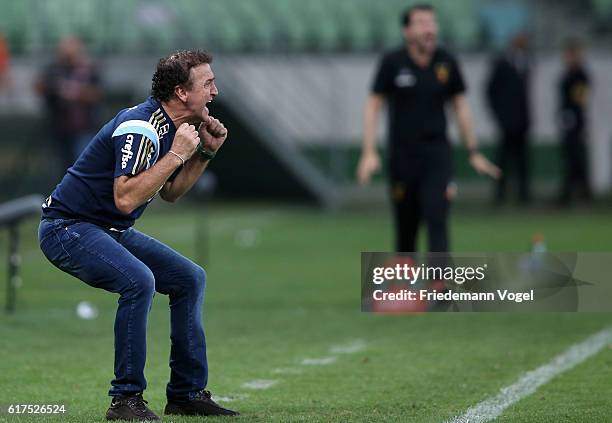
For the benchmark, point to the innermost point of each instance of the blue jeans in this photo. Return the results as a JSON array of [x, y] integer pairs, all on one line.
[[134, 266]]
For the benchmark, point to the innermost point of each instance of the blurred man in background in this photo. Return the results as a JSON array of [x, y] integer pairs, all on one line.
[[416, 81], [574, 87], [70, 86], [508, 97]]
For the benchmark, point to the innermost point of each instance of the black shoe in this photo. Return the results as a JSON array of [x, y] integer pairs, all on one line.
[[131, 407], [201, 405]]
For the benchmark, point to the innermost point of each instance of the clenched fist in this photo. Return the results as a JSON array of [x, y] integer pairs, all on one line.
[[212, 133], [186, 141]]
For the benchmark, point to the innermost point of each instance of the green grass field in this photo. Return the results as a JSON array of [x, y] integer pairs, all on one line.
[[284, 286]]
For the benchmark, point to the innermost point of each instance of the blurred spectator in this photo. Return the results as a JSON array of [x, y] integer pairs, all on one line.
[[508, 97], [5, 61], [70, 86], [574, 87]]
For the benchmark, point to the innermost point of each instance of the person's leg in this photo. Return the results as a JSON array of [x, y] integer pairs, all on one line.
[[582, 173], [91, 254], [567, 162], [502, 163], [522, 160], [406, 214], [184, 282], [438, 172]]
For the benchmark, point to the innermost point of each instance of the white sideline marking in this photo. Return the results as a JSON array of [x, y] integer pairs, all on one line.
[[322, 361], [349, 348], [529, 382], [286, 371], [259, 384]]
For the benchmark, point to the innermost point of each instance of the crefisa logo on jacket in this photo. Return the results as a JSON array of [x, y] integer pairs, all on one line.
[[127, 151]]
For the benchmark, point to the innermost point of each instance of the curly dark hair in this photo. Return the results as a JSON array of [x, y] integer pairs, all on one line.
[[174, 70]]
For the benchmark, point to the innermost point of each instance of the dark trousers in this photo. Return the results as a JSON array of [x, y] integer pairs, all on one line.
[[575, 170], [419, 182], [134, 266], [513, 151]]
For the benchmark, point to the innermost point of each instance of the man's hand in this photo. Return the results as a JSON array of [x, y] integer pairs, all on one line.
[[369, 164], [483, 166], [186, 141], [212, 133], [464, 119]]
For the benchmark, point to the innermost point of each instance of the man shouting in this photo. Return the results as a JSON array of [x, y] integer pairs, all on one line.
[[160, 146]]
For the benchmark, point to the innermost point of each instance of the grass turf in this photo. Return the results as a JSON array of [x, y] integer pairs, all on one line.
[[283, 285]]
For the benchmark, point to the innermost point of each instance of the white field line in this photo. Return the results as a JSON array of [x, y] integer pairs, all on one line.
[[286, 371], [321, 361], [259, 384], [529, 382], [348, 348]]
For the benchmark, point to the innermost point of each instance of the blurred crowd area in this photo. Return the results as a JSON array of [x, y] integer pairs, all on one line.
[[301, 70], [155, 26]]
